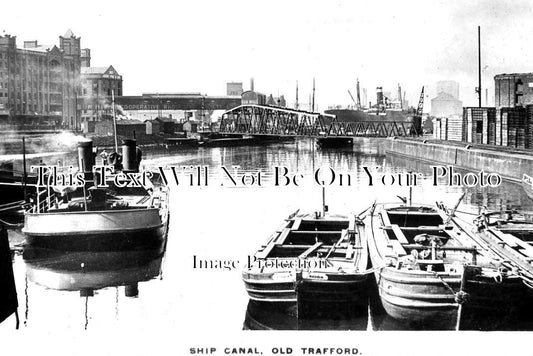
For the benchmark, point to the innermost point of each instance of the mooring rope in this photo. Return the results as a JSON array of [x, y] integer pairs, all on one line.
[[467, 213], [443, 282], [8, 224], [372, 270], [461, 297]]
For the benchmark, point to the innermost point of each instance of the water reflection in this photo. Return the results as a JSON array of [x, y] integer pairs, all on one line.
[[260, 316], [90, 271], [225, 224], [508, 195], [266, 316], [87, 272]]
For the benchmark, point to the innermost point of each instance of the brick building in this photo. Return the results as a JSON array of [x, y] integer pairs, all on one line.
[[512, 90], [97, 84], [177, 106], [250, 97], [39, 84], [234, 89]]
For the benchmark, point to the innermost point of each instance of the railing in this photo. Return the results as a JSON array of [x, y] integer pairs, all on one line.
[[45, 197]]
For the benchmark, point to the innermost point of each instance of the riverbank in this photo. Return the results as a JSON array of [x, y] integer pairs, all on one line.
[[510, 163], [59, 141]]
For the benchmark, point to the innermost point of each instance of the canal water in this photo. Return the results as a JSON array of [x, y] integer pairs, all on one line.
[[193, 283]]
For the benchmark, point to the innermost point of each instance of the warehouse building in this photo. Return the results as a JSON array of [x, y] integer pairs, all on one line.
[[98, 84], [508, 124], [513, 90], [445, 105], [39, 84]]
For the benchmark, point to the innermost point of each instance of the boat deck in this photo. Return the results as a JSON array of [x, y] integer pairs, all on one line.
[[91, 199], [323, 259], [510, 235], [306, 237], [425, 261], [420, 232]]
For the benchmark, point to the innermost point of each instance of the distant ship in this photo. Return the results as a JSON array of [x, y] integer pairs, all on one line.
[[356, 115], [384, 109]]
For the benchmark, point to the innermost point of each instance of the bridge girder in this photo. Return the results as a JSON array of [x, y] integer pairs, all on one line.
[[269, 120]]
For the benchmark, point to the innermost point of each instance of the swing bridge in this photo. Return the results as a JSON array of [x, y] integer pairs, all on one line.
[[262, 120]]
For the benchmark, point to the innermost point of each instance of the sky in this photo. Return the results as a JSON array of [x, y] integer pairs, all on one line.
[[199, 46]]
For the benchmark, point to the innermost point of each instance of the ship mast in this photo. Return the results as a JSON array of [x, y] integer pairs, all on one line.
[[296, 95], [358, 93], [313, 105], [114, 119]]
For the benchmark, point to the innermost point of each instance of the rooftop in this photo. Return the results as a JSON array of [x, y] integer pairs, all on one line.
[[69, 34], [445, 96], [94, 70], [99, 70], [171, 94], [503, 75]]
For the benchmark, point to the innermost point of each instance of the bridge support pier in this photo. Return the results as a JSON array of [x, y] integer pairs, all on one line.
[[272, 138], [327, 142]]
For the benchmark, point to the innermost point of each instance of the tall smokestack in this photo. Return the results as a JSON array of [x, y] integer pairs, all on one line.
[[129, 155], [252, 84], [479, 63], [400, 95], [86, 160]]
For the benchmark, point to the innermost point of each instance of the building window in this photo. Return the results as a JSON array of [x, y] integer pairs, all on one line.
[[479, 127]]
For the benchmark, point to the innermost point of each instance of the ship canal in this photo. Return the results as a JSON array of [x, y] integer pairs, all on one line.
[[196, 274]]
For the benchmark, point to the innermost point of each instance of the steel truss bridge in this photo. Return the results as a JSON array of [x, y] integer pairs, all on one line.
[[276, 121]]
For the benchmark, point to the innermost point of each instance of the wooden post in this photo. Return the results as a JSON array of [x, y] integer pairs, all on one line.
[[324, 207], [297, 282], [24, 174], [461, 296]]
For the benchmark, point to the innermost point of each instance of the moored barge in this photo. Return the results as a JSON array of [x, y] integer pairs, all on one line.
[[432, 272], [311, 258]]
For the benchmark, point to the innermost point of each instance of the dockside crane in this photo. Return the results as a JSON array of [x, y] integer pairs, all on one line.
[[417, 118], [351, 96], [358, 104], [420, 104]]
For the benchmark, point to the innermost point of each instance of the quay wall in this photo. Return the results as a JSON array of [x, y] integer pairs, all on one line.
[[509, 165]]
